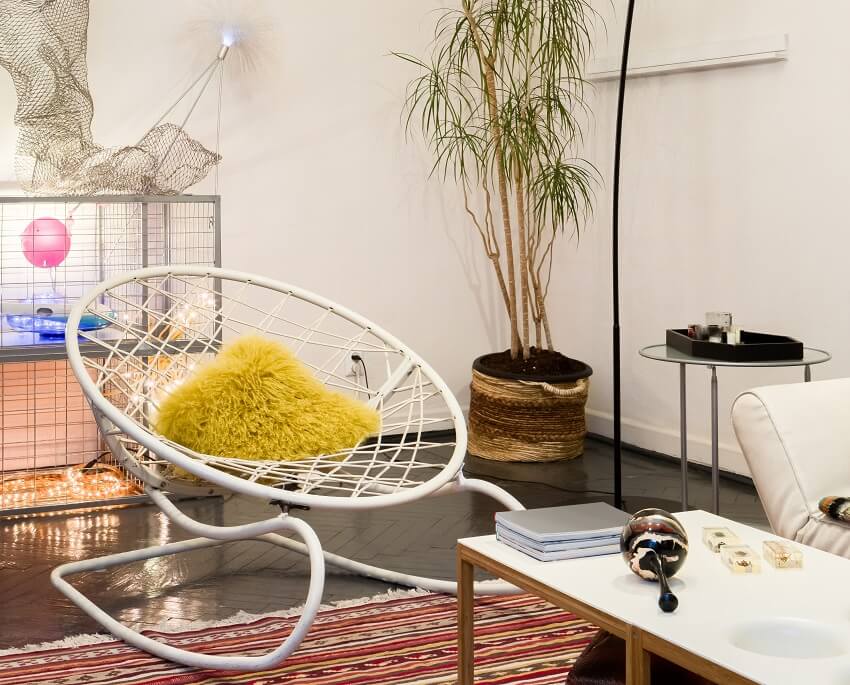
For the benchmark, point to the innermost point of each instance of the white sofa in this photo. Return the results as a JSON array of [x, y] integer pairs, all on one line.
[[796, 440]]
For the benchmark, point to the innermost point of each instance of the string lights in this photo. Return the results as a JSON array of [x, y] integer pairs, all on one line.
[[73, 484]]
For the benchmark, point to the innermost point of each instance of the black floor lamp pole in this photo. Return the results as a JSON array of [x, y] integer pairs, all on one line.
[[615, 256]]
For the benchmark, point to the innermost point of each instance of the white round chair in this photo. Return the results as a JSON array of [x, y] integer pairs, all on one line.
[[163, 321]]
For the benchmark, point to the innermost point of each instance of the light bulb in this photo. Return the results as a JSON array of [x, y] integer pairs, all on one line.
[[228, 37]]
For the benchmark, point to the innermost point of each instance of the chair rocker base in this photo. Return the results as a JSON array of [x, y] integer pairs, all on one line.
[[309, 546]]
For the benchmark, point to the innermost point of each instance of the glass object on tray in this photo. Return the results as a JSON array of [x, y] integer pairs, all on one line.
[[722, 320]]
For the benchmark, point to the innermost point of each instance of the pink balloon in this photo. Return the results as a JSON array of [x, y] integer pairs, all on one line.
[[45, 242]]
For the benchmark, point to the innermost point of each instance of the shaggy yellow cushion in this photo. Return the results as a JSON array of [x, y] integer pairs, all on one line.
[[255, 400]]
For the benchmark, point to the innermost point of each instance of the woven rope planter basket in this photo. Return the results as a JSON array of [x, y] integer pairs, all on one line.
[[520, 420]]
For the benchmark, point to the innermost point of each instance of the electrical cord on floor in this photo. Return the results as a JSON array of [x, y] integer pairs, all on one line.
[[91, 464], [554, 487]]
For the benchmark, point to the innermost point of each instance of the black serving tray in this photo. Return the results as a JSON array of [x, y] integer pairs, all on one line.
[[754, 347]]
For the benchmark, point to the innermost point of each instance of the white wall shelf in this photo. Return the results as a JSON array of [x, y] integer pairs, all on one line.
[[760, 50]]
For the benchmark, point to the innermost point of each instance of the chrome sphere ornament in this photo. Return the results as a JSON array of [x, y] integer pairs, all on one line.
[[655, 545]]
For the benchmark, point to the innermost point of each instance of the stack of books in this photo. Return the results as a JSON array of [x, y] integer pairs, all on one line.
[[568, 532]]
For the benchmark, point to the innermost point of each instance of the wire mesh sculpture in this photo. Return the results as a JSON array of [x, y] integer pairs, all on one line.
[[43, 47], [174, 317]]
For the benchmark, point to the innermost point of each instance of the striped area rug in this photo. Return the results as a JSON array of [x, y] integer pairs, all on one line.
[[401, 638]]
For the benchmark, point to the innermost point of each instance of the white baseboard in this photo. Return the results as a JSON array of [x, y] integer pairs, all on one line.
[[666, 441]]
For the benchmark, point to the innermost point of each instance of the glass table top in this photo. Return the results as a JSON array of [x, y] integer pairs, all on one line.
[[665, 353]]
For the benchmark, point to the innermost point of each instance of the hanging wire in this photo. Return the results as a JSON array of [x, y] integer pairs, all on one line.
[[182, 95], [182, 126], [218, 122]]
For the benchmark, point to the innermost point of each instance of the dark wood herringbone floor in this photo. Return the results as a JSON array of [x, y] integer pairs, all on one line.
[[253, 576]]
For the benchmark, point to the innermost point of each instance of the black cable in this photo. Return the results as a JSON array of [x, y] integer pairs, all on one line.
[[555, 487], [357, 359], [615, 258], [91, 464]]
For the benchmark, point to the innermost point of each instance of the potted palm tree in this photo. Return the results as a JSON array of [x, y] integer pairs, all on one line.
[[499, 103]]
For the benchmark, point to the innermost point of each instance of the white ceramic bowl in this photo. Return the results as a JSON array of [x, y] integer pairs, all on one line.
[[791, 638]]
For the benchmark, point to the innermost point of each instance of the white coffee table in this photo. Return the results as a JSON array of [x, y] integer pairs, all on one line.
[[724, 624]]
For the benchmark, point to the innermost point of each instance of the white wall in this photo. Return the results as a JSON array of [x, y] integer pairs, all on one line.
[[733, 185], [319, 186]]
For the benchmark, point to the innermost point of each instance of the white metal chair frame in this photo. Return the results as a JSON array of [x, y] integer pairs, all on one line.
[[162, 319]]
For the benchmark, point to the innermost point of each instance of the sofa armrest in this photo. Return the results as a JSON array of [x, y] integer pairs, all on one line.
[[796, 440]]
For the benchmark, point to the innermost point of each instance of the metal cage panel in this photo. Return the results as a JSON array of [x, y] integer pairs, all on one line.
[[51, 453]]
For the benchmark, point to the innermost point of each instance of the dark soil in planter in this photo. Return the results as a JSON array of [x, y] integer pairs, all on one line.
[[544, 365]]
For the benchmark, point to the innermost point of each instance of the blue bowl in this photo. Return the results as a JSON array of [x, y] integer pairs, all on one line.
[[53, 326]]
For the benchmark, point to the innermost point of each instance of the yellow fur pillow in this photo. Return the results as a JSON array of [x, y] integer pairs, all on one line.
[[255, 400]]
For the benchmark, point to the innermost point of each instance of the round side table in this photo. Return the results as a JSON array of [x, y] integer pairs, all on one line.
[[665, 353]]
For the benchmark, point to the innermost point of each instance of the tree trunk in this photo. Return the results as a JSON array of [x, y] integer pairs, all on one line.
[[541, 288], [544, 317], [519, 193], [535, 310], [489, 72], [491, 248], [504, 289]]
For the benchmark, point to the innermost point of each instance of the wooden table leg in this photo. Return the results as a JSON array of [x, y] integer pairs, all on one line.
[[465, 619], [637, 659]]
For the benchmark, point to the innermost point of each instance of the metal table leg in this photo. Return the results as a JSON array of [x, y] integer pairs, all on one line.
[[683, 432], [807, 374], [715, 452]]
